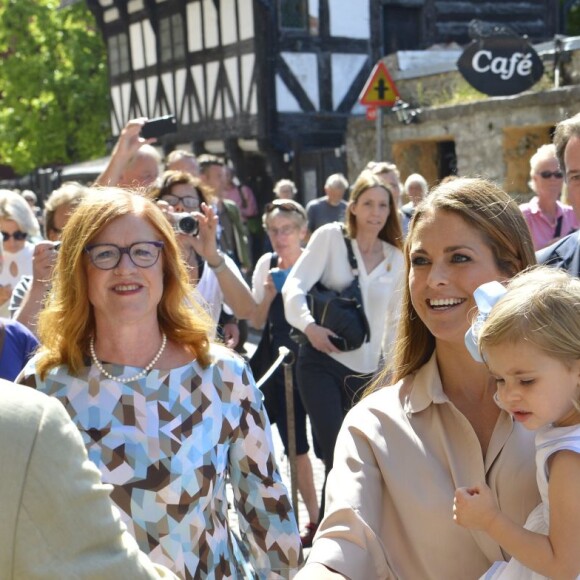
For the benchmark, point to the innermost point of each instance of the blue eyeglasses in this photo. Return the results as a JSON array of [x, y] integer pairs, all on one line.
[[108, 256]]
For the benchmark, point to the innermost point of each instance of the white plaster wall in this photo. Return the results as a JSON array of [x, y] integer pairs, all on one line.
[[212, 69], [305, 68], [345, 67], [194, 40], [285, 101], [141, 90], [197, 74], [149, 43], [227, 17], [246, 19], [210, 20], [231, 67], [247, 68], [137, 46]]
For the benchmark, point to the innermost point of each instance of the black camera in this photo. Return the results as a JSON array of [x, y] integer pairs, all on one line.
[[184, 223]]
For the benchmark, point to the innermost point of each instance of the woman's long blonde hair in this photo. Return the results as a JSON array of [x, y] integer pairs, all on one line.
[[67, 322], [391, 231], [497, 217]]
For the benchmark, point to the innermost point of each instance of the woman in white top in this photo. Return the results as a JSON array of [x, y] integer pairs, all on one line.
[[329, 379], [18, 225]]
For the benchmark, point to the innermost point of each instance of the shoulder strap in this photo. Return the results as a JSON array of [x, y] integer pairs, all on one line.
[[558, 229], [242, 196], [354, 269], [351, 257]]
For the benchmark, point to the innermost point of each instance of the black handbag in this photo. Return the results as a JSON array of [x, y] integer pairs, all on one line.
[[342, 312]]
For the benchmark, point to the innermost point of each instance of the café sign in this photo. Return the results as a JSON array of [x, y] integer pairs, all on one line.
[[501, 65]]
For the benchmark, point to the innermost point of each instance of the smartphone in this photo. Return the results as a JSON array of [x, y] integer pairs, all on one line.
[[339, 342], [159, 126], [279, 277]]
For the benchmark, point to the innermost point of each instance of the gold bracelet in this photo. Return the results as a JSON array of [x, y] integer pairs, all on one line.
[[220, 266]]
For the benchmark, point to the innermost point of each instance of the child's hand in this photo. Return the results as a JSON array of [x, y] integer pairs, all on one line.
[[474, 507]]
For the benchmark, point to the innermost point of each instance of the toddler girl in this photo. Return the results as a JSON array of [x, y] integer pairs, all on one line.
[[529, 337]]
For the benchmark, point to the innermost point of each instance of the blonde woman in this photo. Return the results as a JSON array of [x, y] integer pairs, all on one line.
[[404, 449], [329, 379]]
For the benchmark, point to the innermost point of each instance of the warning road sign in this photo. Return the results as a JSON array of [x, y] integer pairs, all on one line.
[[380, 89]]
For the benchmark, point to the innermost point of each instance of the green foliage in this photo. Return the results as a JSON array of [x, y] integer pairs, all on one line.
[[53, 85], [572, 18]]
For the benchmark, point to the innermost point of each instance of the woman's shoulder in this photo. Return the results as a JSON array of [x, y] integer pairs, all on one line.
[[225, 358], [264, 258], [385, 400], [327, 233]]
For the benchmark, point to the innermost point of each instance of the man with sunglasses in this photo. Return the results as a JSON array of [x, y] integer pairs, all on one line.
[[547, 217], [565, 253]]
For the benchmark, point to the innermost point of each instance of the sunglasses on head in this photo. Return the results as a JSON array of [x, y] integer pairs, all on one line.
[[17, 235], [282, 206], [548, 174]]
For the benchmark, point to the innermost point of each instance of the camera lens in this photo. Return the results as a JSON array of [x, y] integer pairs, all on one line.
[[188, 225]]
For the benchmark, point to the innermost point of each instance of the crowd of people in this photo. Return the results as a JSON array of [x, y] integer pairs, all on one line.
[[450, 437]]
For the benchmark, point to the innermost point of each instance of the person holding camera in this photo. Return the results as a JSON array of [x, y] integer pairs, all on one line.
[[215, 275], [29, 294], [329, 379]]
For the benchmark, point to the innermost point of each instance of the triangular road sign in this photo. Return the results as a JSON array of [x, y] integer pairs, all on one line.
[[380, 90]]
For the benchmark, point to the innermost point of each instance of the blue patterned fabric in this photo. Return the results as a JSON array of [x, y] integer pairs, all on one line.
[[167, 443]]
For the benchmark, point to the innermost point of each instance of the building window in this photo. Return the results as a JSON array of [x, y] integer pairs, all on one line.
[[171, 38], [294, 14], [118, 49], [402, 26]]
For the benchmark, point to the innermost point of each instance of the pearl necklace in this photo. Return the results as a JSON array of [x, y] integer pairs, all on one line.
[[136, 377]]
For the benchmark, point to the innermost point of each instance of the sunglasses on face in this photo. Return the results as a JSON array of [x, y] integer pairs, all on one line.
[[17, 235], [548, 174], [108, 256], [187, 201]]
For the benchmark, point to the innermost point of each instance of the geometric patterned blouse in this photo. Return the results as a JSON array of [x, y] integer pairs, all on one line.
[[167, 443]]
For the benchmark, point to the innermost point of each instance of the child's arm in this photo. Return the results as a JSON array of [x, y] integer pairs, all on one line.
[[556, 555]]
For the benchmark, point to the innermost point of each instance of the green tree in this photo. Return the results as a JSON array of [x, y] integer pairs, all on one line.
[[54, 104]]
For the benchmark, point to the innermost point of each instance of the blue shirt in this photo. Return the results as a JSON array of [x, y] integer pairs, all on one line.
[[19, 345]]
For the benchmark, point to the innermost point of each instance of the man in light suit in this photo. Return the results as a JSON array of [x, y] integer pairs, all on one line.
[[56, 517]]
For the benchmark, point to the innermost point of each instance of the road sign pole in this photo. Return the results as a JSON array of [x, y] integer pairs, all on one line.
[[379, 133]]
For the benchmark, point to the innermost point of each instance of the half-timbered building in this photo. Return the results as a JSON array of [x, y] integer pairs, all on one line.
[[270, 84]]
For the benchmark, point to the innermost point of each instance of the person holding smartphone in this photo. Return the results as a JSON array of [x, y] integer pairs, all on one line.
[[329, 379]]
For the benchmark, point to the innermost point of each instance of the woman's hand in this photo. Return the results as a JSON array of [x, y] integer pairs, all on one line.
[[43, 260], [205, 243], [269, 289], [231, 332], [474, 507], [5, 293], [319, 338]]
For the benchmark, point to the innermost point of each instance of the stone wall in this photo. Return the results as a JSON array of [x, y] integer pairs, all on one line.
[[494, 137]]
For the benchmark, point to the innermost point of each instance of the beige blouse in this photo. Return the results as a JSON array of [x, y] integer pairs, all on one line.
[[400, 455]]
